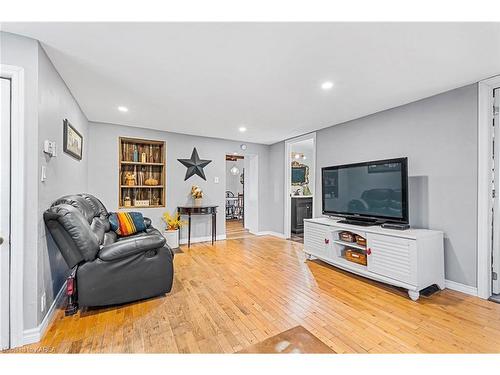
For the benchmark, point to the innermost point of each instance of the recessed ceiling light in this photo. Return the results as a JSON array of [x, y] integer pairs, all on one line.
[[242, 129], [327, 85], [122, 109]]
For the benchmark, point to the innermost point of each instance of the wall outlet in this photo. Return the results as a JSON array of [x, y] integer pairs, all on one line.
[[216, 180], [43, 301]]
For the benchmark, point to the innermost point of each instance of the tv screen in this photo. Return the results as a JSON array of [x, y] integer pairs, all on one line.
[[374, 190]]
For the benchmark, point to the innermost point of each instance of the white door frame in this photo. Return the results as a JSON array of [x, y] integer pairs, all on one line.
[[16, 75], [225, 186], [251, 192], [484, 185], [5, 213], [288, 180]]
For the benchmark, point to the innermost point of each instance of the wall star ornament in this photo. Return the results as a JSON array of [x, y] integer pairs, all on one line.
[[195, 165]]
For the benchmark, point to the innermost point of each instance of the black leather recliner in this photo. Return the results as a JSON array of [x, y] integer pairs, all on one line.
[[110, 269], [385, 202]]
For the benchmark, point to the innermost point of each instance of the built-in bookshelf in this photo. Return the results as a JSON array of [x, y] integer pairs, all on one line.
[[142, 173]]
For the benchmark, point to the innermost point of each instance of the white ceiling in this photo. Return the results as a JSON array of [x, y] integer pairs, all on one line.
[[209, 78]]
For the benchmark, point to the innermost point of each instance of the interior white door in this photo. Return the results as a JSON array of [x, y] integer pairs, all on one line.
[[496, 202], [5, 119]]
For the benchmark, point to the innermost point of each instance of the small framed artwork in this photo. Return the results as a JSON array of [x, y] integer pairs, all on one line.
[[72, 141]]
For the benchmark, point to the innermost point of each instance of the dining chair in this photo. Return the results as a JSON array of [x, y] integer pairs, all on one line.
[[230, 207]]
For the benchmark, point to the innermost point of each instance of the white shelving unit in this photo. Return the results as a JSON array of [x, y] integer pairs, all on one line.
[[412, 259]]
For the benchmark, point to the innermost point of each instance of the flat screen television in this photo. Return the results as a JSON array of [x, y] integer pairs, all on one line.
[[372, 192]]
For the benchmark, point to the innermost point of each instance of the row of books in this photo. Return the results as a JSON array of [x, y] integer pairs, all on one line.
[[141, 153]]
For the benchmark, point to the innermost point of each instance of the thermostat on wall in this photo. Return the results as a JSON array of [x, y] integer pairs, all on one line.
[[49, 147]]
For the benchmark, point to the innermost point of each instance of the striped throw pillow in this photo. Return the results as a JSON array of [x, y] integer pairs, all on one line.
[[127, 223]]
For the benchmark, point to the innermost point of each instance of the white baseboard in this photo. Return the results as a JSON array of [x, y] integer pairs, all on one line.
[[33, 335], [184, 241], [269, 233], [471, 290]]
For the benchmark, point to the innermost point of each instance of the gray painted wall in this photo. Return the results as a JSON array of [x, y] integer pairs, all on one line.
[[103, 172], [65, 174], [275, 195], [439, 137]]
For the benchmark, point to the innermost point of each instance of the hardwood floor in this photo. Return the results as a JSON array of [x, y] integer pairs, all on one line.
[[297, 237], [235, 229], [240, 292]]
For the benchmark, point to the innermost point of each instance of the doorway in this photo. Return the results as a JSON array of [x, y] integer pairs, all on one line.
[[300, 181], [5, 157], [235, 197]]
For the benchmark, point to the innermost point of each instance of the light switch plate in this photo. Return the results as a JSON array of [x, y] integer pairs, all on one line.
[[216, 180], [43, 173], [43, 301]]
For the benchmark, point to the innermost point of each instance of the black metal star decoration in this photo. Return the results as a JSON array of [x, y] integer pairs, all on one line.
[[194, 165]]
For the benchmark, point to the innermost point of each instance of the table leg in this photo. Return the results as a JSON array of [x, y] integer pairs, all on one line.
[[189, 230], [214, 227], [179, 231]]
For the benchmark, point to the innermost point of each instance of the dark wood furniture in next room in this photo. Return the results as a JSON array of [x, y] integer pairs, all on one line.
[[301, 209], [199, 210]]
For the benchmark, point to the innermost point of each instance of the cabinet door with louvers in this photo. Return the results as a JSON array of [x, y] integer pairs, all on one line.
[[392, 257], [317, 240]]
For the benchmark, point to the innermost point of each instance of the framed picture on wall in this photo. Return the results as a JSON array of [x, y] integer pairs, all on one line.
[[72, 141]]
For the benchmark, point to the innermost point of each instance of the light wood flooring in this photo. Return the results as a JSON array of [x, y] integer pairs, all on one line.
[[297, 237], [235, 229], [240, 292]]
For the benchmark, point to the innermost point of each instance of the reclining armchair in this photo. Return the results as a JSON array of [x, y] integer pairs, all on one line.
[[108, 269]]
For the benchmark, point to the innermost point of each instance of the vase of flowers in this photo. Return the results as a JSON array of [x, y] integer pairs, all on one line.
[[197, 195], [174, 223]]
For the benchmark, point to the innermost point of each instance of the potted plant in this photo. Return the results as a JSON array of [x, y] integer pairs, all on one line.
[[174, 223], [197, 195]]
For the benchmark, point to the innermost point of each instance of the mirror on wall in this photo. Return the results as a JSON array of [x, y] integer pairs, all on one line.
[[300, 174]]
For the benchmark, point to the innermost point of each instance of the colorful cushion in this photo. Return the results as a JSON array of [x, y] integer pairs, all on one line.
[[127, 223]]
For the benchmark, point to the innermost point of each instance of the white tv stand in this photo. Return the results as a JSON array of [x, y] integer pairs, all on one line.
[[412, 259]]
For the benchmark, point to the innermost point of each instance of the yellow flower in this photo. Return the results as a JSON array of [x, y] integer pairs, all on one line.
[[173, 222]]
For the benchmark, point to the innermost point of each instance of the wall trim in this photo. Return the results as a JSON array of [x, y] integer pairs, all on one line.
[[484, 186], [17, 229], [467, 289], [269, 233], [288, 177], [33, 335], [219, 237]]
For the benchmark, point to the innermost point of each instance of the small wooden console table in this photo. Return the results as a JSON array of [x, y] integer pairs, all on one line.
[[199, 210]]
